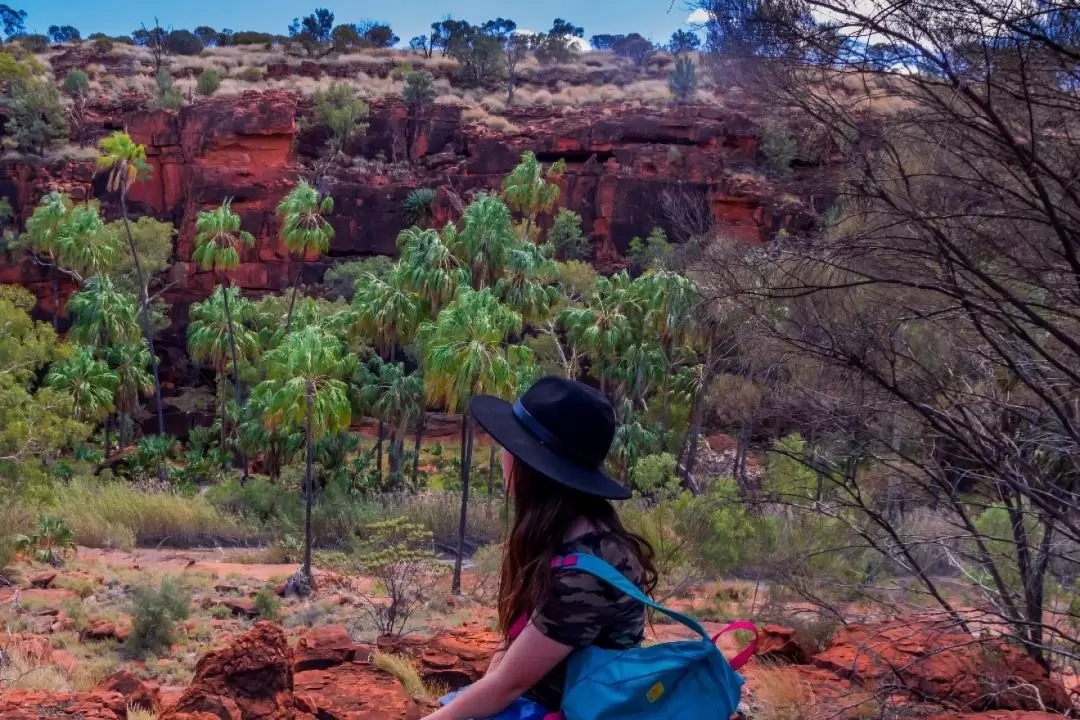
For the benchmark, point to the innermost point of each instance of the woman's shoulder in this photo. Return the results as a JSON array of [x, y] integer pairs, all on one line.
[[609, 547]]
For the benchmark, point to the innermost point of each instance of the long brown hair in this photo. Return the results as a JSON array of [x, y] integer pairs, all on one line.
[[543, 514]]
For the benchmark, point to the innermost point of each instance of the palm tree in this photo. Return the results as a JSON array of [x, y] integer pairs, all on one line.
[[304, 229], [668, 299], [605, 326], [71, 237], [214, 337], [126, 163], [397, 397], [485, 236], [465, 356], [89, 382], [217, 239], [527, 284], [129, 361], [306, 373], [103, 317], [431, 271], [531, 190], [419, 206], [386, 311]]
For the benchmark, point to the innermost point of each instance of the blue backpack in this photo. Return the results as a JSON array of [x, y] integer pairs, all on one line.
[[687, 679]]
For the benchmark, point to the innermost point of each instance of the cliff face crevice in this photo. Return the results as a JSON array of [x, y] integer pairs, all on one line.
[[626, 165]]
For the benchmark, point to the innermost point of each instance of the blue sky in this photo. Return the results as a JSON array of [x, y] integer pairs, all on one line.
[[651, 18]]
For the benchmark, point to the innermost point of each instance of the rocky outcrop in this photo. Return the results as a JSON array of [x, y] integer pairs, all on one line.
[[249, 680], [21, 705], [935, 659], [325, 647], [136, 692], [779, 644], [451, 659]]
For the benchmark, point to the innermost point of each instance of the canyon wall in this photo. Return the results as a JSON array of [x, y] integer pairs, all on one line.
[[621, 160]]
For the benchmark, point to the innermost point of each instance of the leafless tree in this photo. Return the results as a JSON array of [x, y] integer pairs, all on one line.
[[933, 331]]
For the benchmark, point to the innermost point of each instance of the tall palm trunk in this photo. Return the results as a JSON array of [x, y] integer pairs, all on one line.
[[237, 391], [144, 307], [466, 466], [378, 448], [416, 444], [695, 428], [309, 579], [105, 427], [491, 469], [292, 298], [56, 297]]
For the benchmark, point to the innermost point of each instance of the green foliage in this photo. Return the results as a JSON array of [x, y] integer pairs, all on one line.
[[102, 45], [655, 476], [343, 113], [209, 82], [218, 237], [33, 43], [577, 279], [154, 614], [89, 382], [419, 88], [341, 279], [153, 242], [683, 79], [778, 146], [304, 228], [567, 238], [168, 96], [76, 84], [683, 41], [419, 206], [654, 252], [183, 42], [51, 540], [267, 605], [478, 50], [400, 556], [531, 189], [36, 120], [151, 455]]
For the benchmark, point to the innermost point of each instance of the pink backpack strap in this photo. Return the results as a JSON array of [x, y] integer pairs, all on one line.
[[743, 657]]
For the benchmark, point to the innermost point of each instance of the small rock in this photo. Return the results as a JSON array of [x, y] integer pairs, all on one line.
[[241, 607], [137, 692], [43, 580]]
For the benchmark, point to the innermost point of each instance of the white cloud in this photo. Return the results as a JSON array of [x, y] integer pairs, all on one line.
[[698, 17]]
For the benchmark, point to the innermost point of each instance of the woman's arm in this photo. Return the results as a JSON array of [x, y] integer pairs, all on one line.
[[495, 660], [531, 656]]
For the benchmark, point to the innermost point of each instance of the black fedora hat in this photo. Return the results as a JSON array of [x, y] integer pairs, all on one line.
[[560, 428]]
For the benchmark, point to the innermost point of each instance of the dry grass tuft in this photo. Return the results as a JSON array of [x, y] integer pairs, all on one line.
[[781, 693], [404, 669], [137, 712]]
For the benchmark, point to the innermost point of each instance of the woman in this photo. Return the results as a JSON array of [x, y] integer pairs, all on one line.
[[554, 440]]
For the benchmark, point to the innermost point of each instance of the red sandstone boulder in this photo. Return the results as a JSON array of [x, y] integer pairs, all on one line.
[[21, 705], [454, 658], [354, 691], [778, 644], [240, 607], [33, 647], [937, 660], [325, 647], [136, 692], [249, 680], [102, 630], [43, 580]]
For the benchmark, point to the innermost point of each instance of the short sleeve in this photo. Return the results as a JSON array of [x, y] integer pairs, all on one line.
[[577, 609]]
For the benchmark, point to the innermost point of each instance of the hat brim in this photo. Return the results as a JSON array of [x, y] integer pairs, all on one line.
[[497, 417]]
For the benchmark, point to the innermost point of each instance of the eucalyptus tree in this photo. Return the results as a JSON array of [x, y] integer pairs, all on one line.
[[304, 229], [464, 357], [307, 391], [125, 161]]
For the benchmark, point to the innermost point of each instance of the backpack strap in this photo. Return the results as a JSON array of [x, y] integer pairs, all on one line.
[[603, 571], [748, 652]]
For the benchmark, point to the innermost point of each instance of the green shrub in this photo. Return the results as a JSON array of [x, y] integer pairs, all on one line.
[[183, 42], [566, 237], [778, 146], [209, 82], [683, 79], [168, 97], [399, 554], [419, 87], [267, 605], [51, 540], [654, 251], [252, 74], [102, 44], [33, 43], [154, 613], [77, 83], [36, 119]]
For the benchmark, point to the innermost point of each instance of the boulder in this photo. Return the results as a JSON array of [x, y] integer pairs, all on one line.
[[354, 691], [33, 647], [240, 607], [454, 658], [136, 692], [97, 630], [34, 705], [44, 580], [937, 660], [777, 643], [325, 647], [251, 679]]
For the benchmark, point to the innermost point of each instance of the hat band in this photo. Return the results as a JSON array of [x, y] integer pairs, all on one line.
[[545, 436]]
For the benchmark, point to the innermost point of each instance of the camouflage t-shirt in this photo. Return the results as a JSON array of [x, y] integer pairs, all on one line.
[[581, 610]]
